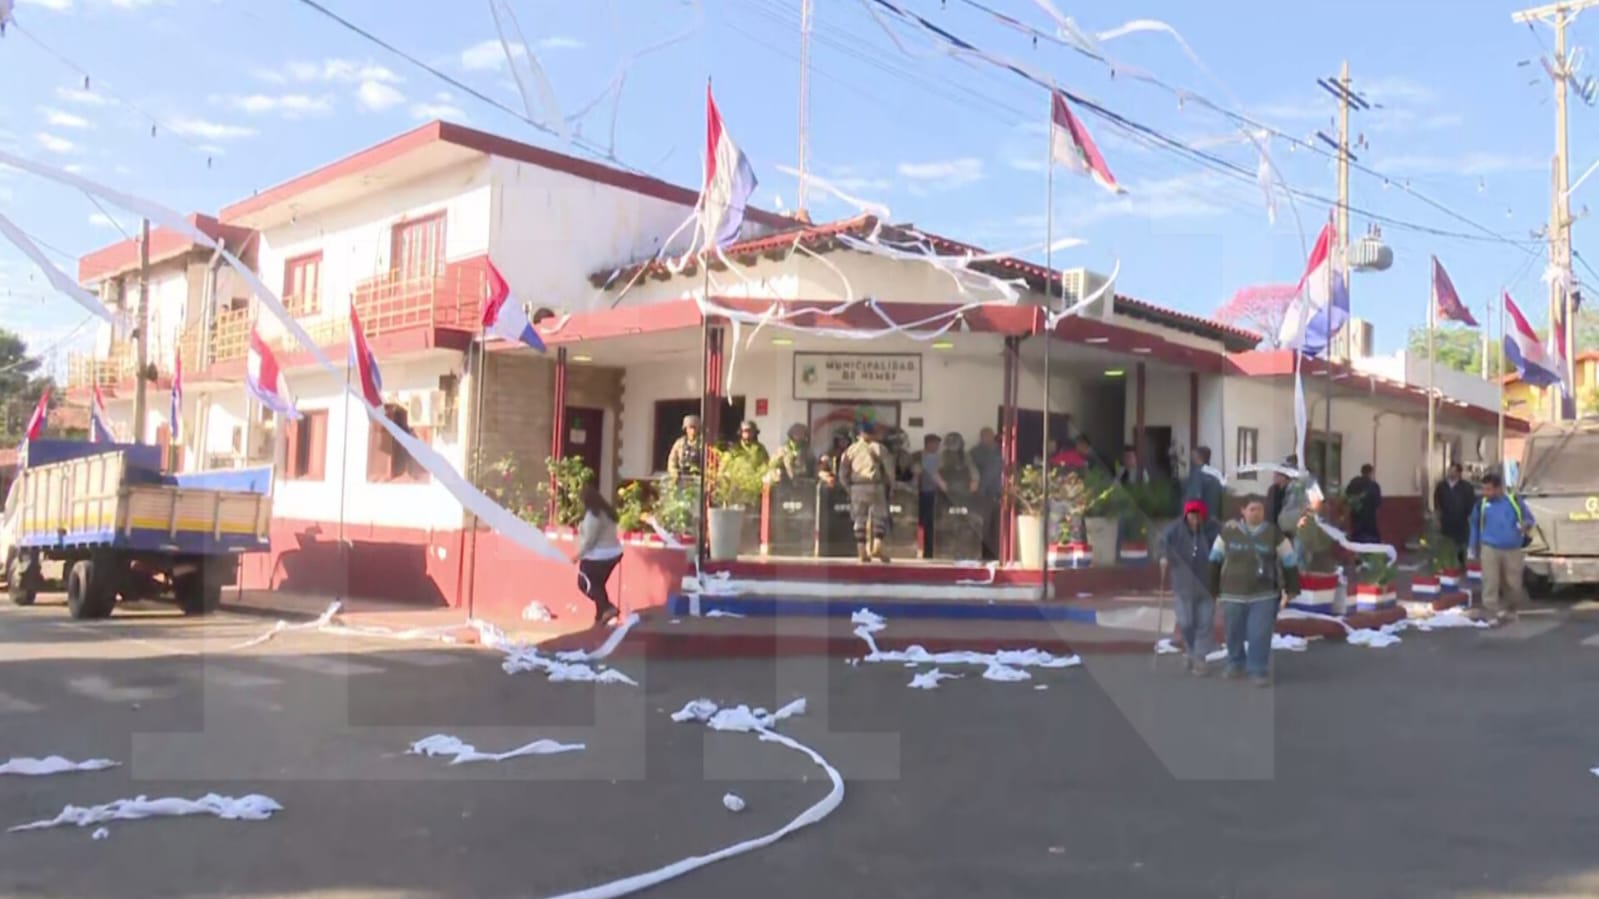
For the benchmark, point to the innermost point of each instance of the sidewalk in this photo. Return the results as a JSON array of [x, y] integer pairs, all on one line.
[[293, 607]]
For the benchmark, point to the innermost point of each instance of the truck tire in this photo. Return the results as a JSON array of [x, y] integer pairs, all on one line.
[[87, 593], [200, 592], [22, 577]]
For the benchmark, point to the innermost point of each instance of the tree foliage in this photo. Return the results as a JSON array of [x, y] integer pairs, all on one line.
[[1461, 348], [21, 382], [1260, 308]]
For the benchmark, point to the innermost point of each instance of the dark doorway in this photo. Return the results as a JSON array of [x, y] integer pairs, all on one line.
[[1030, 432], [1156, 452], [669, 425], [585, 438]]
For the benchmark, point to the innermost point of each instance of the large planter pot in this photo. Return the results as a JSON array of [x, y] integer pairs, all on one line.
[[1069, 555], [1373, 597], [727, 529], [1030, 540], [1102, 534], [1318, 593]]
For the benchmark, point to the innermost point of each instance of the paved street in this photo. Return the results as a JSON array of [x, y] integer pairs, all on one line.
[[1454, 764]]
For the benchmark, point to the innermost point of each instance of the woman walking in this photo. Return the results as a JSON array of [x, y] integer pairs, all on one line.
[[598, 551]]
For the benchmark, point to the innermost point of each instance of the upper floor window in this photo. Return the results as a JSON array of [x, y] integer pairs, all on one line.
[[418, 247], [302, 284]]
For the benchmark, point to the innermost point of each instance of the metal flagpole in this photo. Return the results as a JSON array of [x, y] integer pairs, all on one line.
[[344, 468], [1049, 339], [479, 384], [1499, 375], [1432, 403]]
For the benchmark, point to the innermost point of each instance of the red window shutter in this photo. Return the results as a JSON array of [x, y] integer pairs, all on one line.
[[316, 467], [291, 440]]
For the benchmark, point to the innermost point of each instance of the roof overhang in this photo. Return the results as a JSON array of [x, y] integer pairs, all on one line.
[[431, 147], [165, 245]]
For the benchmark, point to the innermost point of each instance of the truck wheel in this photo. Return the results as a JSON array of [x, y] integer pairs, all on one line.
[[200, 593], [87, 596], [22, 578]]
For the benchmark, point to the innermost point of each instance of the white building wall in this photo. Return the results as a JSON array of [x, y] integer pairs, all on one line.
[[425, 505], [355, 238]]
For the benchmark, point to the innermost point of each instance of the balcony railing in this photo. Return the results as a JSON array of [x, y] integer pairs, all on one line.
[[451, 298], [86, 370]]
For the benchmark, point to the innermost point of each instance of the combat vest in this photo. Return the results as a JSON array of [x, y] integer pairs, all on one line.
[[1250, 568]]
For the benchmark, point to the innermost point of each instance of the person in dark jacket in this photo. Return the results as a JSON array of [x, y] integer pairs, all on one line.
[[1204, 483], [1276, 496], [1365, 498], [1452, 502], [1185, 552]]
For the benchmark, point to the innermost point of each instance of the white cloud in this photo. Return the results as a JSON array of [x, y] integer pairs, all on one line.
[[208, 130], [61, 119], [562, 42], [82, 96], [943, 174], [488, 56], [378, 96], [57, 5], [290, 106], [55, 143], [75, 168], [1470, 164], [333, 70], [441, 108]]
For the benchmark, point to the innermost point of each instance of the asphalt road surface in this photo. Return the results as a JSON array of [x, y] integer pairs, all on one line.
[[1454, 764]]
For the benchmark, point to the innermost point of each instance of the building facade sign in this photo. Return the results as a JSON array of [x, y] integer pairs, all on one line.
[[858, 376]]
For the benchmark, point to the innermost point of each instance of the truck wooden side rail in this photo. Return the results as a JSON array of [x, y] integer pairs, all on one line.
[[123, 530]]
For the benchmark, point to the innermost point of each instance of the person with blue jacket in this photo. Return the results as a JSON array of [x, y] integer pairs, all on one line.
[[1500, 526]]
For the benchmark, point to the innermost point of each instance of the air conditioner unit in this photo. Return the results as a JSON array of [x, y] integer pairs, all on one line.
[[1077, 283]]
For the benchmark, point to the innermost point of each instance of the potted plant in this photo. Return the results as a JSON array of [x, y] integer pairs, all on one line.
[[504, 482], [630, 510], [735, 486], [1321, 580], [1374, 588], [1069, 497], [1439, 554], [1107, 503], [677, 508], [568, 476], [1145, 511]]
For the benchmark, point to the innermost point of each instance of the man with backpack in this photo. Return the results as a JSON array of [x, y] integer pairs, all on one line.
[[1499, 535]]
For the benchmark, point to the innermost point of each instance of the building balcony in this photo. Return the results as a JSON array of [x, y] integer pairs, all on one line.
[[450, 299], [86, 371]]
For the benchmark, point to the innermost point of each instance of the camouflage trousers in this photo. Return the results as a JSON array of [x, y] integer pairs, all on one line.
[[868, 510]]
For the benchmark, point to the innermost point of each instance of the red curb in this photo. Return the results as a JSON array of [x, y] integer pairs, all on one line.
[[748, 646]]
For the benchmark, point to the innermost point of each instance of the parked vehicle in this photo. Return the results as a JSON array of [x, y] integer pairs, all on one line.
[[1559, 482], [124, 530]]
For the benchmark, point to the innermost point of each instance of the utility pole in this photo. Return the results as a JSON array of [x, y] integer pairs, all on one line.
[[806, 14], [141, 356], [1558, 16], [1346, 98]]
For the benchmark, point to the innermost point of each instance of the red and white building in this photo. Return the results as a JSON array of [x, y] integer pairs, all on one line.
[[404, 231]]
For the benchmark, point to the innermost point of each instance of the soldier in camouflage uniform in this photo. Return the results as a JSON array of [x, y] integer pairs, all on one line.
[[794, 460], [683, 462], [868, 471], [749, 446]]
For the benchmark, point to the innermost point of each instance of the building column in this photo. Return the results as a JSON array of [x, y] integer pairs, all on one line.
[[1193, 414], [710, 425], [557, 431], [1139, 383], [1008, 443]]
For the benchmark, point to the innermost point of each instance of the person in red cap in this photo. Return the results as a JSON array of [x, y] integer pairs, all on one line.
[[1185, 554]]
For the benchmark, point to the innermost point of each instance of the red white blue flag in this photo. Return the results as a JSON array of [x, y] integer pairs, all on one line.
[[264, 378], [99, 421], [363, 364], [504, 317], [1071, 146], [1321, 306], [1446, 300], [729, 181], [177, 398], [36, 421], [1534, 363]]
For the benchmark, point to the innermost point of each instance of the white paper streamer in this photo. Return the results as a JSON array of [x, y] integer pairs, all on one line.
[[491, 513], [928, 680], [992, 568], [53, 764], [732, 802], [58, 279], [253, 807], [1279, 643], [1165, 647], [565, 667], [551, 108], [444, 744], [705, 710], [997, 664]]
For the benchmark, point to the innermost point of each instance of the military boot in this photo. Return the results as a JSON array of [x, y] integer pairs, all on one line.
[[861, 552]]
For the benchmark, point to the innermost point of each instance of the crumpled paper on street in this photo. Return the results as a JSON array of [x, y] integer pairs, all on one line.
[[1279, 643], [928, 680], [747, 721], [253, 807], [53, 764], [444, 744], [732, 802], [566, 667], [868, 623], [1165, 647]]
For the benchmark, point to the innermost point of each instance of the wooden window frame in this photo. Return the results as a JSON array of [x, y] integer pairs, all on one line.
[[397, 235], [306, 436], [300, 304], [1253, 456]]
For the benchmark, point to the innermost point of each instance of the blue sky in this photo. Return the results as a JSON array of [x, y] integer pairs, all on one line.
[[266, 91]]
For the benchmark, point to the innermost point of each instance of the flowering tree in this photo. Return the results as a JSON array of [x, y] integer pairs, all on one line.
[[1260, 308]]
